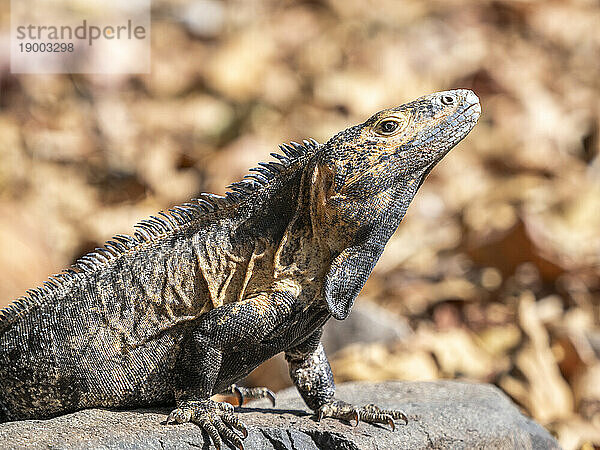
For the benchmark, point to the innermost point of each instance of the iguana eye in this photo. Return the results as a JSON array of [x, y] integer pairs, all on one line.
[[447, 100], [387, 126]]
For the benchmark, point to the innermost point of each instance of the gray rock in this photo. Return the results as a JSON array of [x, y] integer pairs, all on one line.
[[367, 323], [444, 414]]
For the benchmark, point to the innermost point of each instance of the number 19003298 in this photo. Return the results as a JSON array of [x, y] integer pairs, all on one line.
[[53, 47]]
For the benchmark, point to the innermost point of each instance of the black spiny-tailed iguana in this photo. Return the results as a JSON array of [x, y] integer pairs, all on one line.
[[204, 293]]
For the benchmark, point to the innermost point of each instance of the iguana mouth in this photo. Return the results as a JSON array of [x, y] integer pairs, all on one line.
[[474, 104], [477, 113]]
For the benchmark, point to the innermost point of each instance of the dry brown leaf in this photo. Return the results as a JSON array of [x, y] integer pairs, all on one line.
[[576, 434], [458, 353], [545, 393], [376, 362]]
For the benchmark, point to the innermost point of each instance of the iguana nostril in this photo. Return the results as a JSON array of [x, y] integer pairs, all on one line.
[[472, 97]]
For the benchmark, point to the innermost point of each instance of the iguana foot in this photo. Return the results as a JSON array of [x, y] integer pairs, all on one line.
[[216, 418], [369, 413], [252, 393]]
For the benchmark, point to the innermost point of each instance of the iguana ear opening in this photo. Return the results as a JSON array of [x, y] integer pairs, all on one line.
[[347, 276]]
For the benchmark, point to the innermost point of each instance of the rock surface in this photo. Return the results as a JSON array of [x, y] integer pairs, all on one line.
[[444, 414], [367, 322]]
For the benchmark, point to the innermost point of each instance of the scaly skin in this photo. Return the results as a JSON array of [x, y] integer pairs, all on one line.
[[203, 294]]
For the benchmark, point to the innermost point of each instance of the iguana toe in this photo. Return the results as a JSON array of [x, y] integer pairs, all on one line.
[[370, 413], [216, 418], [244, 393]]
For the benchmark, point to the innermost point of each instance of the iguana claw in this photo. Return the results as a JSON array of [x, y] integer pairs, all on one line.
[[369, 413], [216, 418], [356, 417], [392, 413], [252, 393]]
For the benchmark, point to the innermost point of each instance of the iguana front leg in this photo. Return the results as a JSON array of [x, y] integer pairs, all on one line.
[[311, 373], [201, 358], [197, 370]]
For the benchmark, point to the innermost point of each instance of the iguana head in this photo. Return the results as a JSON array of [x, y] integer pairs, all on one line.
[[393, 148], [366, 176], [399, 143]]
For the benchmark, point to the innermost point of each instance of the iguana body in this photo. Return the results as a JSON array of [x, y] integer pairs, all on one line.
[[203, 294]]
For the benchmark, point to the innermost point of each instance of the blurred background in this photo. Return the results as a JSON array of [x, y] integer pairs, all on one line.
[[493, 276]]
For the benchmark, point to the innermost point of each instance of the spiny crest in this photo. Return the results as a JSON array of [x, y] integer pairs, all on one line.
[[155, 227]]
